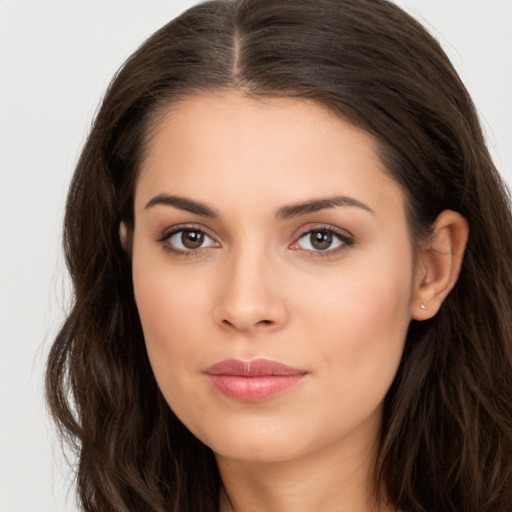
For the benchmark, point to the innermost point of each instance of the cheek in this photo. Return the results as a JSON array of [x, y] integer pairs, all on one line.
[[172, 312], [361, 321], [165, 304], [173, 343]]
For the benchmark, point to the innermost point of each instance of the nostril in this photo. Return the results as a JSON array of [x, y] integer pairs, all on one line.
[[240, 326]]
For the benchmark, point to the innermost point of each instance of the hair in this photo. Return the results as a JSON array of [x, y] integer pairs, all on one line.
[[446, 438]]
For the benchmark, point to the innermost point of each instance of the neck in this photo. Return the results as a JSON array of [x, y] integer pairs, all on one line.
[[336, 478]]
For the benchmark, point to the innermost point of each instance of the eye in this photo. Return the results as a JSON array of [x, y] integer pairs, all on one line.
[[319, 241], [322, 240], [190, 240]]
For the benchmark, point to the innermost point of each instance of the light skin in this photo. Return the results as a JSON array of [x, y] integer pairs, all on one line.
[[269, 229]]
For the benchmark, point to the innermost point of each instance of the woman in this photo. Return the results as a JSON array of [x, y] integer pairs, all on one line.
[[291, 259]]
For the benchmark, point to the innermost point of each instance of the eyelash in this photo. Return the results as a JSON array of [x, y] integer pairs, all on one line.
[[167, 235], [346, 240]]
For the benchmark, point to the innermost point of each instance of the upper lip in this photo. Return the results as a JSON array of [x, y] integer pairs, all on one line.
[[252, 368]]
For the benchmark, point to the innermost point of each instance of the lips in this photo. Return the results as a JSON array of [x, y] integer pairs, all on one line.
[[252, 381]]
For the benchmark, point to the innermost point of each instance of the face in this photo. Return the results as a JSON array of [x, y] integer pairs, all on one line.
[[273, 274]]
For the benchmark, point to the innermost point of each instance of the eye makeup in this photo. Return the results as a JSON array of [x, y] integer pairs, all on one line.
[[323, 241], [319, 240], [187, 240]]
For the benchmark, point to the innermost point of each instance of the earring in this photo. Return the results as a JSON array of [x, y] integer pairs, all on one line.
[[423, 306]]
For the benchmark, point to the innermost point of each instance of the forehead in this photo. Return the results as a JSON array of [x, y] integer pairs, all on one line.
[[226, 145]]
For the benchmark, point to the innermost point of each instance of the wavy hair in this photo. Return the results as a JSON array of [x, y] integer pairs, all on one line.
[[446, 439]]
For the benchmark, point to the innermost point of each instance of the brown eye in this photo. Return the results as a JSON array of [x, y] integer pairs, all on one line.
[[188, 240], [321, 240], [192, 239]]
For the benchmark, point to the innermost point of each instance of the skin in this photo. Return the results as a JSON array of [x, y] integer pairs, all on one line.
[[258, 288]]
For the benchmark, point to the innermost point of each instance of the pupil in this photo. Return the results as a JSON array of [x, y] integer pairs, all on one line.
[[192, 239], [321, 240]]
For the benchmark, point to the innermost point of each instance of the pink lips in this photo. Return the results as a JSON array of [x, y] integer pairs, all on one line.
[[252, 381]]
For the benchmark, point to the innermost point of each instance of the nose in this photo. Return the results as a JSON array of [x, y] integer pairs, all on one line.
[[250, 298]]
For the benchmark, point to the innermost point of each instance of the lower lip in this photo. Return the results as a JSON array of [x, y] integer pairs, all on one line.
[[253, 389]]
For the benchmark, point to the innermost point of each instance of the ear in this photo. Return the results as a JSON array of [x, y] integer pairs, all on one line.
[[125, 237], [439, 264]]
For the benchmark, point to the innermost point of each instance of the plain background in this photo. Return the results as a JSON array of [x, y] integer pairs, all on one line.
[[56, 59]]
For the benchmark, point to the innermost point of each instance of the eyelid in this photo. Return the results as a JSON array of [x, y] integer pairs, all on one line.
[[168, 232], [344, 235], [347, 239]]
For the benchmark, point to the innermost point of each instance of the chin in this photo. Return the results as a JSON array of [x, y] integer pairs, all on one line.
[[253, 440], [261, 450]]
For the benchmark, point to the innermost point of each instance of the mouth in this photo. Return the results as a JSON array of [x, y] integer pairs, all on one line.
[[252, 381]]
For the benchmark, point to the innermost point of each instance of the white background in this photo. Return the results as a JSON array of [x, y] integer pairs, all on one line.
[[56, 59]]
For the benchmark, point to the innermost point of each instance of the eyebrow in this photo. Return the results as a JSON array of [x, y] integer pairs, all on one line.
[[284, 213], [182, 203], [315, 205]]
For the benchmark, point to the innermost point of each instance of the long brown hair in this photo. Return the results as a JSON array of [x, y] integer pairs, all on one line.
[[446, 440]]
